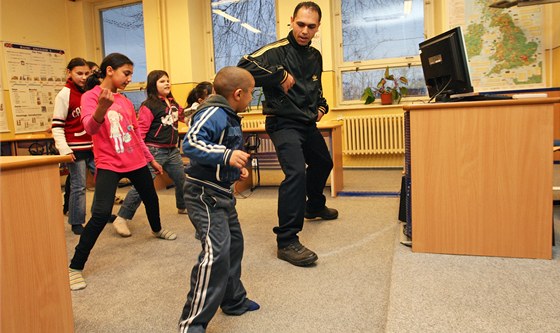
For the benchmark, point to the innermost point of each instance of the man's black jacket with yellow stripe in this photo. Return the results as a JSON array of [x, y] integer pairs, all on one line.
[[270, 66]]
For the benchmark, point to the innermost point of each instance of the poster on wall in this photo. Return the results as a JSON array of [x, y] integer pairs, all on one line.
[[34, 75], [505, 46], [3, 117]]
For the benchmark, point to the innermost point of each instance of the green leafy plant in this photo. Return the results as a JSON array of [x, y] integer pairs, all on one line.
[[259, 94], [388, 84]]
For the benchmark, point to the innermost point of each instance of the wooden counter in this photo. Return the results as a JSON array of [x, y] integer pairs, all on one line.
[[34, 287], [481, 177], [332, 130]]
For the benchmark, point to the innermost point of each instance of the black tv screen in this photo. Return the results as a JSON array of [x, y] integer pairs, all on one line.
[[445, 65]]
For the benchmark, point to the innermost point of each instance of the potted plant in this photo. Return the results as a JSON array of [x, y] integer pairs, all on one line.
[[389, 87]]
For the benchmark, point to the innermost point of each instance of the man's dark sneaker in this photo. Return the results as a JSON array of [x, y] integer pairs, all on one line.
[[297, 254], [326, 214], [77, 229]]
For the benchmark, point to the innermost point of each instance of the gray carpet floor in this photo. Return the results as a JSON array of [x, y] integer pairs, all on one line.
[[365, 281]]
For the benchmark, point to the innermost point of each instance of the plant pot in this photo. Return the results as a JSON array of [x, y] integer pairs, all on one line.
[[386, 98]]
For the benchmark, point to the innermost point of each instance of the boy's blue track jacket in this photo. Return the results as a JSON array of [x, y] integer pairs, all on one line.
[[214, 132]]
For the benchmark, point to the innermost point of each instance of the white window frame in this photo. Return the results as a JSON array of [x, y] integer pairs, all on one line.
[[97, 8], [341, 66]]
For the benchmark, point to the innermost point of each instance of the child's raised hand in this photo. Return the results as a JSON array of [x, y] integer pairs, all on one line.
[[104, 101], [238, 159]]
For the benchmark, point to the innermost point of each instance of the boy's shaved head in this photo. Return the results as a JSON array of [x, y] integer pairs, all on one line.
[[232, 78]]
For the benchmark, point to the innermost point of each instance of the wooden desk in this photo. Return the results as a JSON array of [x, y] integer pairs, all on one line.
[[11, 142], [34, 285], [331, 130], [481, 177]]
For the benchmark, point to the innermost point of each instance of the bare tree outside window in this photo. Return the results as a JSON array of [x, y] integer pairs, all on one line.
[[241, 27], [381, 29], [122, 30], [377, 33]]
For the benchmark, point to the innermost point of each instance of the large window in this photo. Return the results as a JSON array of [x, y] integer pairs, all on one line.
[[375, 34], [122, 31], [239, 28]]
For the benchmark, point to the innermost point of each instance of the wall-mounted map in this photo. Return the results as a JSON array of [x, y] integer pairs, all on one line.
[[505, 46]]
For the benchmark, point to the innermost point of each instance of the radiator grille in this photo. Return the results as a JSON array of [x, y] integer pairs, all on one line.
[[379, 134], [253, 123]]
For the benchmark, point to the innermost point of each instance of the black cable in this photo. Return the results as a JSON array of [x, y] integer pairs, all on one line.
[[442, 90]]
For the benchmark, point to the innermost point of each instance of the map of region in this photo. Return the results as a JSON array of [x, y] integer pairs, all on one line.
[[505, 46]]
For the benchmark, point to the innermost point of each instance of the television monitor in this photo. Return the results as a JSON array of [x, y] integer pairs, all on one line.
[[445, 65]]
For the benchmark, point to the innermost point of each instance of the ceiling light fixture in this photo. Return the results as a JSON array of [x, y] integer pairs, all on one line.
[[250, 28], [225, 15]]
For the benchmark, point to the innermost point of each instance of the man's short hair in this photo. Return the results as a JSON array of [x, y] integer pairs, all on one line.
[[308, 4]]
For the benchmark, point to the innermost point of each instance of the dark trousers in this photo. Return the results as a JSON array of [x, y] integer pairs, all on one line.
[[66, 194], [106, 182], [216, 277], [306, 163]]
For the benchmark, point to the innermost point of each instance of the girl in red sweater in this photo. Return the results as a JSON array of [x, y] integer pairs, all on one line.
[[70, 138]]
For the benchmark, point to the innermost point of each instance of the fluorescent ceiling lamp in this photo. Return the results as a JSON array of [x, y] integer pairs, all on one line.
[[407, 7], [223, 2], [225, 15], [250, 28]]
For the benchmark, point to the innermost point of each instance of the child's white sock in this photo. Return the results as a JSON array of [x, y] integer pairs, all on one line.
[[77, 281], [165, 234]]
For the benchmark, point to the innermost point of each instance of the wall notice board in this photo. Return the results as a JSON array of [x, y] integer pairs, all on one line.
[[3, 117], [34, 76]]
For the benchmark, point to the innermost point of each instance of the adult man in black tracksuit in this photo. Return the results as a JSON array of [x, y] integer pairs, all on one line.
[[289, 71]]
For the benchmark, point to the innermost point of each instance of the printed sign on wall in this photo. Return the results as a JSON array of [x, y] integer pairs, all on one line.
[[34, 75], [3, 117]]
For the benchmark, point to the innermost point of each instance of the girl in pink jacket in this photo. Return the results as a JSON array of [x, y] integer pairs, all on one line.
[[119, 152]]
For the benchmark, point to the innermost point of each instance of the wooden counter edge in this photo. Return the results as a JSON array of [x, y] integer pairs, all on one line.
[[17, 162], [320, 126], [521, 101], [329, 124]]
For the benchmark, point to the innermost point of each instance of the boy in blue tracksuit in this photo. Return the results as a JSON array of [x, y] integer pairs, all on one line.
[[214, 145]]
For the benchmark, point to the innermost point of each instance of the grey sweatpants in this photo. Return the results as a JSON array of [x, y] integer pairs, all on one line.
[[215, 278]]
